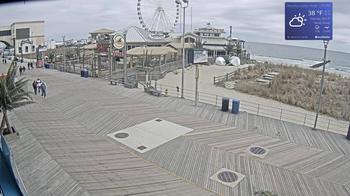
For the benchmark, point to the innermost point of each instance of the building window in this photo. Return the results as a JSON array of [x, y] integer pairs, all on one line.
[[22, 33], [33, 48], [26, 49], [5, 33], [20, 49]]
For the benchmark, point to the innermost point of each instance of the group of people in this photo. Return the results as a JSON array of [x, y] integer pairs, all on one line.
[[22, 70], [4, 60], [30, 65], [40, 86]]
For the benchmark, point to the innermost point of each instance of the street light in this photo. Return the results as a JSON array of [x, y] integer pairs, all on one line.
[[184, 5], [325, 61]]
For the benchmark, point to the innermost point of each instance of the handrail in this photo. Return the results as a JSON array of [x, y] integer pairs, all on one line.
[[303, 118]]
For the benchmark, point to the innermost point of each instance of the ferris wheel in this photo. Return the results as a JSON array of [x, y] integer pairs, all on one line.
[[158, 16]]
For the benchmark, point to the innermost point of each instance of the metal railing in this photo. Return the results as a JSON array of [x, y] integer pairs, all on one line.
[[301, 118]]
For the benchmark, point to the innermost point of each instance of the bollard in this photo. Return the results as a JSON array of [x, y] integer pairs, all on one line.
[[225, 104], [348, 137]]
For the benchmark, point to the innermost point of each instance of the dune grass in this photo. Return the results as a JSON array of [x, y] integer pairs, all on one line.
[[298, 87]]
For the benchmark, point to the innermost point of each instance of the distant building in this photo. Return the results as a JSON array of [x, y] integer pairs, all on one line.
[[138, 37], [102, 31], [25, 37], [51, 44], [215, 42], [135, 37]]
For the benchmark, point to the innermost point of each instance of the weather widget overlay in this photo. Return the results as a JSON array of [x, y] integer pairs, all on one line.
[[309, 21]]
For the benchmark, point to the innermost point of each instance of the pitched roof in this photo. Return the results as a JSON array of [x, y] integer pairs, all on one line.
[[139, 35]]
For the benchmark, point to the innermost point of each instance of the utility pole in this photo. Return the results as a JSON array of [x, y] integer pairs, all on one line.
[[183, 44], [325, 43], [110, 57], [64, 52], [196, 90], [191, 19], [125, 59]]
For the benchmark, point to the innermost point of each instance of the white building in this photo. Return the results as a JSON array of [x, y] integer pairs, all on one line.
[[25, 37], [51, 44]]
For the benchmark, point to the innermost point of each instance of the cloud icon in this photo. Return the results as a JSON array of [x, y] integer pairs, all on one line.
[[297, 21]]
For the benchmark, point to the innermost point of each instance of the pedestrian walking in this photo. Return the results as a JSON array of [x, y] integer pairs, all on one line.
[[24, 69], [43, 89], [38, 85], [35, 87], [28, 65], [20, 70]]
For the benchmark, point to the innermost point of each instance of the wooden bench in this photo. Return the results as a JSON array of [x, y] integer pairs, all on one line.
[[116, 82], [153, 91], [131, 85]]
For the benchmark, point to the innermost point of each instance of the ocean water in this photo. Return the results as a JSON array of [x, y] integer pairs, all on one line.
[[340, 61]]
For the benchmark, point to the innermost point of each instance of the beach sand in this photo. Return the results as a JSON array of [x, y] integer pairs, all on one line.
[[206, 85]]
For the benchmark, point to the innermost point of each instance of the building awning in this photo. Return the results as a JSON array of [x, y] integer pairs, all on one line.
[[178, 45], [90, 47], [155, 51], [215, 48]]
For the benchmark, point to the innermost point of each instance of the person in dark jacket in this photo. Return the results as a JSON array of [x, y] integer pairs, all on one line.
[[35, 87]]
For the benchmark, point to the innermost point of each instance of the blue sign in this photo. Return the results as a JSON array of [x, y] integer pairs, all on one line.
[[309, 21]]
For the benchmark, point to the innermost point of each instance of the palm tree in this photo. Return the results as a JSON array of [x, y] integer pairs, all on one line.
[[12, 95], [52, 55]]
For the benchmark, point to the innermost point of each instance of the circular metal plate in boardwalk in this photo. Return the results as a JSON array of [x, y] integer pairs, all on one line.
[[121, 135], [227, 176]]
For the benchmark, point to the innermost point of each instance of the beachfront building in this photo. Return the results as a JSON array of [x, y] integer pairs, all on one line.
[[213, 40], [25, 37], [135, 38], [103, 31], [217, 44], [138, 37]]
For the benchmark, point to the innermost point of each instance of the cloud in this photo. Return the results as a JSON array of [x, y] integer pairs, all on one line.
[[252, 20]]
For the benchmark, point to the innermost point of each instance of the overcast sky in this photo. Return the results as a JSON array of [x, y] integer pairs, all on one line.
[[252, 20]]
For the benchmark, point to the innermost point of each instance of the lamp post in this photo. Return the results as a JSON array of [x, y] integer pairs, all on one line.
[[184, 5], [325, 61]]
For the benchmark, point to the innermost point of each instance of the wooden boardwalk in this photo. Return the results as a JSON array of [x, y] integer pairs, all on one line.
[[64, 148]]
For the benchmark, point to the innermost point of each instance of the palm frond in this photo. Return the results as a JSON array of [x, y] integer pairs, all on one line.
[[13, 94]]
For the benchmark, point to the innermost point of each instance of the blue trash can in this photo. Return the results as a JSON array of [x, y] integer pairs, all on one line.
[[86, 73], [235, 106], [82, 73], [348, 136], [225, 104]]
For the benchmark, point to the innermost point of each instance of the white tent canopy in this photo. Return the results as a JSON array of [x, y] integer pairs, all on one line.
[[235, 60], [220, 61]]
